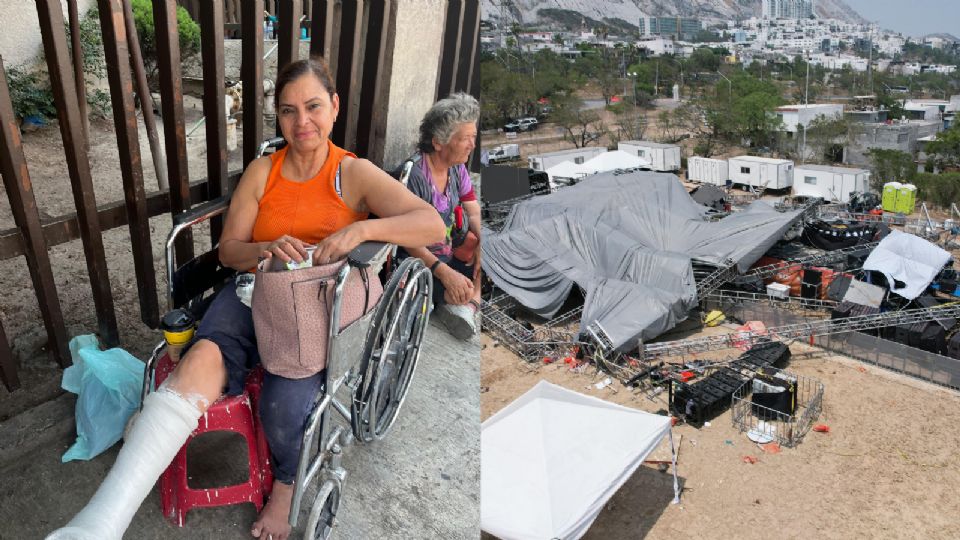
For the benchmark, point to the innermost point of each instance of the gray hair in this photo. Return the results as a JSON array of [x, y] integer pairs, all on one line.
[[444, 117]]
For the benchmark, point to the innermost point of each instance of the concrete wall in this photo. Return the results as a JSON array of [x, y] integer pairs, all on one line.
[[902, 137], [20, 41], [416, 65]]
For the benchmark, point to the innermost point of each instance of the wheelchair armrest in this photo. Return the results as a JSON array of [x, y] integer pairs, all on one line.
[[202, 212], [366, 254]]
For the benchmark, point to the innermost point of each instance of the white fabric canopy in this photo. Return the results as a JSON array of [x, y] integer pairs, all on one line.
[[567, 169], [909, 259], [552, 458], [617, 159]]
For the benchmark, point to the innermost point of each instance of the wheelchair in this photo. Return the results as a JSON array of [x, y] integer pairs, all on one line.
[[370, 363]]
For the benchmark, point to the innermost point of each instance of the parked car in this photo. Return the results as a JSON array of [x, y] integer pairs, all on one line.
[[528, 124]]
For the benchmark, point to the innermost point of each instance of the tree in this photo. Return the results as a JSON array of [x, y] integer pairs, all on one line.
[[504, 93], [187, 28], [826, 137], [569, 113], [631, 123], [945, 150], [704, 59], [890, 166]]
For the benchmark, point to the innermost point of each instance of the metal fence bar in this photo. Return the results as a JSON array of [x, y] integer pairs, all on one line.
[[211, 44], [171, 97], [349, 63], [8, 366], [451, 48], [65, 228], [251, 73], [128, 146], [470, 29], [146, 98], [23, 204], [78, 165], [380, 32], [320, 29], [288, 32], [74, 16]]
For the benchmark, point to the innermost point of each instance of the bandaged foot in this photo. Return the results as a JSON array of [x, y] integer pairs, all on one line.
[[152, 442]]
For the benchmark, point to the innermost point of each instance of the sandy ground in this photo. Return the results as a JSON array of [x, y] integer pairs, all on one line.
[[887, 469]]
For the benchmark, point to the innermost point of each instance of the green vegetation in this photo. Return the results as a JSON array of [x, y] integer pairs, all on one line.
[[944, 152], [30, 93], [30, 89], [189, 34], [940, 189], [890, 166]]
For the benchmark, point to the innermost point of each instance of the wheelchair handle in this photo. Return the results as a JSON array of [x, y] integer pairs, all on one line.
[[270, 143]]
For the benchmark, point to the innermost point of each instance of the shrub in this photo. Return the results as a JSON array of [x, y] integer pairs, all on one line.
[[94, 63], [188, 29], [30, 93]]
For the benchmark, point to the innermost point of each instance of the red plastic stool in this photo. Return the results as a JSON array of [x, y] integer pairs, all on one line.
[[238, 414]]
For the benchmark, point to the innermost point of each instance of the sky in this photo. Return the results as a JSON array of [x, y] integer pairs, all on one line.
[[921, 18]]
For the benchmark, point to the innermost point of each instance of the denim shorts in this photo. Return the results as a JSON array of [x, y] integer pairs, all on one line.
[[229, 324]]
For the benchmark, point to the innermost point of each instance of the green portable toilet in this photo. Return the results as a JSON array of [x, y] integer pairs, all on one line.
[[889, 199], [906, 199]]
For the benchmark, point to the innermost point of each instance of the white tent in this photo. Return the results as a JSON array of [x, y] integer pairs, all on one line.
[[567, 169], [908, 259], [617, 159], [552, 458]]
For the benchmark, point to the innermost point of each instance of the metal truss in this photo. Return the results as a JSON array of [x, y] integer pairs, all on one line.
[[812, 260], [791, 301], [799, 330]]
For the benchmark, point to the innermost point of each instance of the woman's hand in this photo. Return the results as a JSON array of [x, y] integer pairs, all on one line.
[[339, 244], [459, 288], [287, 248]]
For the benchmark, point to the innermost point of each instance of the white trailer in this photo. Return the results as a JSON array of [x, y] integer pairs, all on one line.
[[504, 152], [542, 162], [761, 172], [662, 157], [707, 171], [831, 183]]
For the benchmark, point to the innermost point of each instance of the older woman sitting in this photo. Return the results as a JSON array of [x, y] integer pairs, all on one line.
[[447, 135]]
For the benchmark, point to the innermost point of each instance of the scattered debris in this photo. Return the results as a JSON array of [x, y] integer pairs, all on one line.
[[603, 384], [771, 447], [821, 428], [750, 459]]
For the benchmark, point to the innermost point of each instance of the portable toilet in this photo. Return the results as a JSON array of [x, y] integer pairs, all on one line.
[[889, 199], [906, 199]]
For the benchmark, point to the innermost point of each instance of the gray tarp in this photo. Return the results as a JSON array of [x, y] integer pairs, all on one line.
[[629, 241]]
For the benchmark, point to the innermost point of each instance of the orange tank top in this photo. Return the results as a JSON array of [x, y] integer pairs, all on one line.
[[311, 210]]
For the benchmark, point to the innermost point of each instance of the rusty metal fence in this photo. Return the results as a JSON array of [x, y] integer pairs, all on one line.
[[355, 36]]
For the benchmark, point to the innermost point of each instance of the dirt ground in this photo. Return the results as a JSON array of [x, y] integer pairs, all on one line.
[[19, 309], [887, 468]]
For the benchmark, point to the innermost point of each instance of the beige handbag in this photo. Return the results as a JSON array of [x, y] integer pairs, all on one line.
[[292, 310]]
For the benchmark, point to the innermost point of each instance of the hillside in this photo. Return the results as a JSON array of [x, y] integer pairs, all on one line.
[[630, 11]]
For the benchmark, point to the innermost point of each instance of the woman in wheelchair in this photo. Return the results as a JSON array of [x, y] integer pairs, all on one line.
[[447, 137], [309, 193]]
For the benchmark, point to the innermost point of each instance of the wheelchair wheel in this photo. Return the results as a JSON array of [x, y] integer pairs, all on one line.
[[391, 351], [323, 513]]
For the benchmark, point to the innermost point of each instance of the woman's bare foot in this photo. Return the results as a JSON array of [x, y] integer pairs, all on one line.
[[272, 523]]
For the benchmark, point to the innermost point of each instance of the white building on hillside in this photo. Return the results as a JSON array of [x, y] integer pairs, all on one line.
[[793, 116]]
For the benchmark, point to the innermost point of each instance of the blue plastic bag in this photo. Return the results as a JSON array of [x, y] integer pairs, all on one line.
[[107, 384]]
